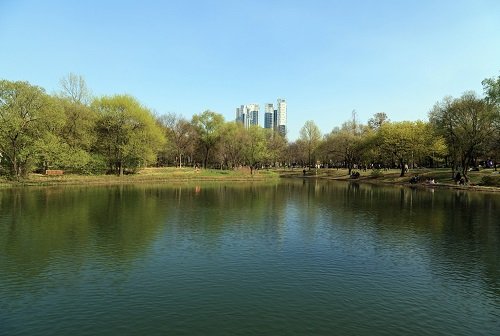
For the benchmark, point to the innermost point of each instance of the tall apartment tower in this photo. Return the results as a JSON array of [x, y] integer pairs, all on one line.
[[280, 113], [248, 114], [269, 116]]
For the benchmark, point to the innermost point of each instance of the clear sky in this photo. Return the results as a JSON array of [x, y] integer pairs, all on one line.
[[325, 57]]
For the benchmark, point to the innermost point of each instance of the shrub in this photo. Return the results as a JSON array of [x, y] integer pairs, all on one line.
[[376, 173], [490, 181]]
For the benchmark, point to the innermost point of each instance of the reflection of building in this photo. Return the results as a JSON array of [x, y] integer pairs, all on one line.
[[248, 114]]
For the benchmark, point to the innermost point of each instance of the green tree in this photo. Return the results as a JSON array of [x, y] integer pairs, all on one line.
[[208, 127], [127, 133], [404, 141], [231, 149], [254, 146], [467, 124], [75, 137], [491, 88], [310, 137], [26, 116], [343, 145], [276, 147], [377, 120]]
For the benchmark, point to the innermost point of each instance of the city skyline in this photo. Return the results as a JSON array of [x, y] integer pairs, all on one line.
[[275, 119], [327, 58]]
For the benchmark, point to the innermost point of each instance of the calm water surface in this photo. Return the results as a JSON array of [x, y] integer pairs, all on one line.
[[294, 258]]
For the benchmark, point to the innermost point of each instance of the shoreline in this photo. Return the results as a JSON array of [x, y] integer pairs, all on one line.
[[187, 175], [394, 180]]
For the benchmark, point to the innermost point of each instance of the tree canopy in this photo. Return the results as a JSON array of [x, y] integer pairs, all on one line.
[[74, 131], [127, 133]]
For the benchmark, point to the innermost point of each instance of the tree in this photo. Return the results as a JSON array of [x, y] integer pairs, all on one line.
[[74, 88], [491, 88], [345, 143], [254, 146], [233, 136], [208, 126], [75, 137], [344, 146], [74, 133], [403, 140], [377, 120], [128, 136], [466, 124], [26, 115], [310, 137], [180, 136], [276, 147]]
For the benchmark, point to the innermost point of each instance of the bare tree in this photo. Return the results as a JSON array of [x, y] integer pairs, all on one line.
[[74, 88]]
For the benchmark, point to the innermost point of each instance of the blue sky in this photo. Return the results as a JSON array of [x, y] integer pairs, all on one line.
[[326, 58]]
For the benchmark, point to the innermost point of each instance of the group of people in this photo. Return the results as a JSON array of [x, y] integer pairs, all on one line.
[[459, 179]]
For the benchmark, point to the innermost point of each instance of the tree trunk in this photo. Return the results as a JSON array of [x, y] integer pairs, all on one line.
[[205, 160], [15, 171], [465, 169], [401, 162]]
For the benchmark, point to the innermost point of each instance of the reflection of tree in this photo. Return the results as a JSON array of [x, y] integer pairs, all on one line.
[[455, 228], [45, 230], [42, 225]]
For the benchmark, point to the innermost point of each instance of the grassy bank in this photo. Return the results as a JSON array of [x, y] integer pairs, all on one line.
[[486, 179], [146, 175]]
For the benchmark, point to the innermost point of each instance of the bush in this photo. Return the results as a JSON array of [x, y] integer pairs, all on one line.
[[376, 173], [490, 181]]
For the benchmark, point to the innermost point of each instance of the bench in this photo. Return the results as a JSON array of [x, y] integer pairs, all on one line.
[[54, 172]]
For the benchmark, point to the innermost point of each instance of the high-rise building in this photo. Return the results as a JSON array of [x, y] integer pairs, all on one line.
[[274, 119], [280, 124], [248, 114], [269, 116]]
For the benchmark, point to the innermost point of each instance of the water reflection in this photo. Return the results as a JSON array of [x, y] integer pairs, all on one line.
[[308, 253], [38, 226]]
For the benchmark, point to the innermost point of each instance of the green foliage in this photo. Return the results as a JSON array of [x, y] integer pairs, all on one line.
[[276, 147], [404, 141], [231, 149], [467, 125], [376, 173], [490, 181], [491, 88], [208, 127], [117, 133], [377, 120], [127, 133], [255, 150], [28, 117], [310, 138]]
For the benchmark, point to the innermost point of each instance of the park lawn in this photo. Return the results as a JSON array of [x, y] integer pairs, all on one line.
[[485, 178], [163, 174]]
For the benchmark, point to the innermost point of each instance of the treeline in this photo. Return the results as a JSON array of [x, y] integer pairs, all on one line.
[[73, 131]]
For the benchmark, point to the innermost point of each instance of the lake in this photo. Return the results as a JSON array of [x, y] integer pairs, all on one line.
[[287, 258]]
